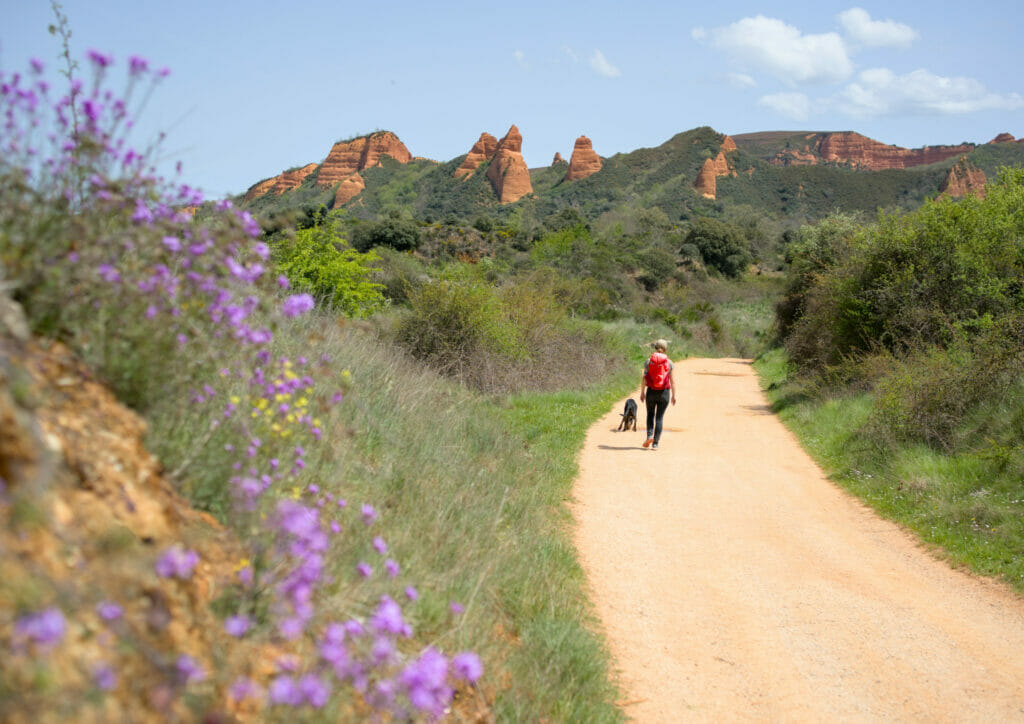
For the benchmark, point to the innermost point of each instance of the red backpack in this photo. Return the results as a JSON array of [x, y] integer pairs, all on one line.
[[657, 372]]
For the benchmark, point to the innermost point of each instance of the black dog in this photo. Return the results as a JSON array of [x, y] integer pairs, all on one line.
[[629, 416]]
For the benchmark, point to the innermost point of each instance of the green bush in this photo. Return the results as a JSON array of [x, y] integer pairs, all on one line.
[[721, 245], [399, 234], [946, 272], [318, 260]]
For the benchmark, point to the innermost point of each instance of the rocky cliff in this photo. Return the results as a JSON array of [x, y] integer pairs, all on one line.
[[557, 159], [864, 152], [285, 181], [343, 164], [584, 161], [350, 187], [508, 172], [1004, 138], [483, 150], [964, 178], [848, 147], [349, 157]]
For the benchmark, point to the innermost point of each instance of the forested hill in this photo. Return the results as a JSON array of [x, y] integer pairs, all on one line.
[[800, 175]]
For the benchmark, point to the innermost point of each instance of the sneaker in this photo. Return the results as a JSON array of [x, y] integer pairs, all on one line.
[[648, 441], [654, 446]]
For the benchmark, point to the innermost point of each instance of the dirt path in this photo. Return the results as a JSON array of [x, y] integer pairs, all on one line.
[[736, 583]]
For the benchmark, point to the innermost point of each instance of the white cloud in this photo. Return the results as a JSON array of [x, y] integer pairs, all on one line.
[[740, 80], [520, 57], [601, 65], [792, 105], [773, 46], [875, 33], [879, 91], [573, 56]]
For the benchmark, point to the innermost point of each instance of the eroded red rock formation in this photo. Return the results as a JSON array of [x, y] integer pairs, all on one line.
[[350, 187], [508, 172], [483, 150], [864, 152], [557, 159], [1003, 138], [348, 157], [707, 179], [964, 178], [584, 162]]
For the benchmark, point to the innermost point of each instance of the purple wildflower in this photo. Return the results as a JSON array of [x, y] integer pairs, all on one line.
[[189, 669], [467, 666], [364, 569], [283, 690], [105, 677], [369, 514], [388, 617], [315, 691], [243, 688], [297, 304], [283, 282], [237, 626], [172, 243], [137, 65], [456, 607], [411, 593], [177, 562], [109, 611], [45, 628], [379, 545], [392, 567], [99, 59]]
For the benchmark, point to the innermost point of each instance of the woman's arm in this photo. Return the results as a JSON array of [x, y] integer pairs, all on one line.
[[643, 387], [672, 382]]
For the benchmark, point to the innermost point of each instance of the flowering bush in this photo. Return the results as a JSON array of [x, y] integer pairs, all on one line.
[[109, 257]]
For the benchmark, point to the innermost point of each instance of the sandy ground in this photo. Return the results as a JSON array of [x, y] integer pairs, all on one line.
[[734, 582]]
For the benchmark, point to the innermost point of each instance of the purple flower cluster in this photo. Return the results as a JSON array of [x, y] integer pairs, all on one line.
[[45, 629], [176, 562], [202, 287]]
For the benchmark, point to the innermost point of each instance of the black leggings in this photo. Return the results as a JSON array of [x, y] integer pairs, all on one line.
[[657, 403]]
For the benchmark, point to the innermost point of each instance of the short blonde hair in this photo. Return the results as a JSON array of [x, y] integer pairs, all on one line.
[[661, 345]]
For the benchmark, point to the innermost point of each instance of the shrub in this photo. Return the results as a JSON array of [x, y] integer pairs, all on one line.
[[398, 234], [319, 261], [721, 245]]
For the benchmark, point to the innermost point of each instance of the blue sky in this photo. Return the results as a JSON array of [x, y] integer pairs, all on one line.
[[261, 86]]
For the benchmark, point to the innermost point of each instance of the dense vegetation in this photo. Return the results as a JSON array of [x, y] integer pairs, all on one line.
[[905, 372]]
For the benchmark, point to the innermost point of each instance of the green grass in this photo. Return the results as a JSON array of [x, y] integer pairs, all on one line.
[[471, 492], [969, 505]]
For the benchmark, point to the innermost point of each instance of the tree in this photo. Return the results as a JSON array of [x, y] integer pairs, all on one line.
[[399, 234], [722, 246], [319, 261]]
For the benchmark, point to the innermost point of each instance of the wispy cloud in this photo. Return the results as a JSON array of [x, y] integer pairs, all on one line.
[[740, 80], [573, 55], [772, 46], [876, 33], [792, 105], [520, 57], [601, 66]]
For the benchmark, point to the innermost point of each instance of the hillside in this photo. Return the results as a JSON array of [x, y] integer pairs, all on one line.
[[802, 175]]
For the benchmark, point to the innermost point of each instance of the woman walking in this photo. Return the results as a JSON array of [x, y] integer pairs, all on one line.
[[656, 389]]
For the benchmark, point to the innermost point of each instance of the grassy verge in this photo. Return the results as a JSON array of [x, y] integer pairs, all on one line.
[[471, 493], [968, 505]]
